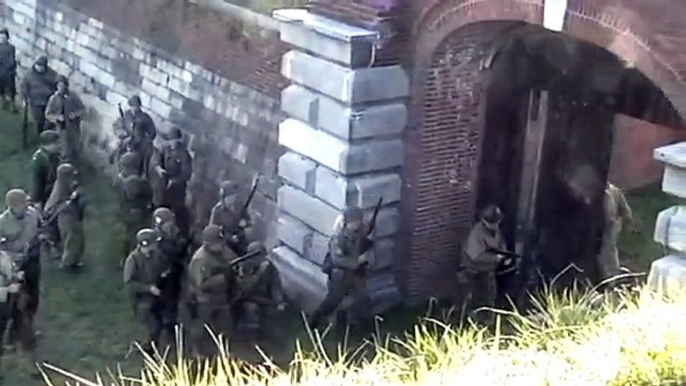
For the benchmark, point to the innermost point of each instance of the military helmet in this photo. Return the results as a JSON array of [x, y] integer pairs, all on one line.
[[175, 133], [16, 198], [352, 213], [49, 137], [130, 160], [212, 234], [492, 214], [163, 215], [41, 61], [228, 188], [257, 246], [147, 236], [135, 101], [63, 79], [4, 31], [66, 169]]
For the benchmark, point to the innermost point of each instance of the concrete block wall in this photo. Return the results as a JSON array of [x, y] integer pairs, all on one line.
[[343, 148], [232, 127]]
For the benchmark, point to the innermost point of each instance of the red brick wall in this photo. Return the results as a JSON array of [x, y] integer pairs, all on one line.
[[632, 154]]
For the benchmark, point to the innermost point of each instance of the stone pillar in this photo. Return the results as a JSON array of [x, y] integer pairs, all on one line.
[[668, 274], [342, 137]]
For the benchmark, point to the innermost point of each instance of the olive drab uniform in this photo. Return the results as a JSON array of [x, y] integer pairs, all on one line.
[[71, 108], [231, 220], [177, 164], [617, 213], [66, 204], [210, 280], [136, 198], [8, 277], [347, 251], [174, 247], [480, 264], [21, 244], [44, 165], [142, 272], [8, 72], [139, 131], [37, 88]]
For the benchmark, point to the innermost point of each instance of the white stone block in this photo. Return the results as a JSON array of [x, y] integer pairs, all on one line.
[[343, 84], [153, 74], [294, 233], [670, 228], [668, 275], [317, 249], [348, 45], [674, 181], [364, 192], [340, 120], [160, 92], [160, 107], [114, 98], [303, 282], [674, 154], [337, 154], [298, 170], [310, 210]]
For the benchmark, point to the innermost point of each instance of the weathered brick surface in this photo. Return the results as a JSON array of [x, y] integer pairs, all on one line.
[[96, 46]]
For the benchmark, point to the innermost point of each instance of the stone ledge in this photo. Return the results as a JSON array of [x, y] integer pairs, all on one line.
[[343, 84], [303, 282], [360, 191], [670, 228], [345, 44], [293, 233], [337, 154], [298, 170], [344, 122], [674, 181]]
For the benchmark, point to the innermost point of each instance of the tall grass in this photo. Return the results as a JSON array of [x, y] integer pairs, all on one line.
[[574, 337]]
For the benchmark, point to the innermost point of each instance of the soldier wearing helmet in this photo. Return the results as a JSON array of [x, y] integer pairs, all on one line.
[[136, 197], [138, 129], [67, 207], [480, 258], [210, 283], [143, 270], [8, 71], [37, 87], [19, 226], [45, 162], [173, 166], [227, 215], [260, 288], [65, 110], [345, 265]]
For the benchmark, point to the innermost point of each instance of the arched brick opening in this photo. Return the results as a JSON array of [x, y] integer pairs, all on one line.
[[444, 138]]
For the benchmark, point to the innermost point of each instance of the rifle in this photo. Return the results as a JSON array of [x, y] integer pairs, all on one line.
[[507, 266], [244, 209], [25, 126], [61, 208]]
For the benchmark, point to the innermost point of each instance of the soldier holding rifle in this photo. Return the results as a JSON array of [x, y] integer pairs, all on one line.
[[232, 216]]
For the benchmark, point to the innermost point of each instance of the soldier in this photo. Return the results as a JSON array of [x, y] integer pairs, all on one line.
[[67, 207], [174, 166], [174, 248], [8, 71], [9, 287], [138, 129], [65, 109], [617, 214], [210, 280], [136, 200], [143, 270], [480, 259], [19, 226], [260, 289], [202, 189], [228, 215], [346, 265], [36, 88], [45, 162]]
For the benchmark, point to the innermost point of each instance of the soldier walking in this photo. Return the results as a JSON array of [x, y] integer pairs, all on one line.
[[260, 290], [137, 129], [174, 248], [136, 198], [229, 215], [37, 87], [210, 283], [480, 259], [617, 214], [65, 110], [174, 166], [8, 71], [44, 164], [67, 207], [19, 226], [346, 266], [9, 287], [143, 270]]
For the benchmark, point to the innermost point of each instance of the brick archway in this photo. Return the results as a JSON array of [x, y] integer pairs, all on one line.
[[450, 205]]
